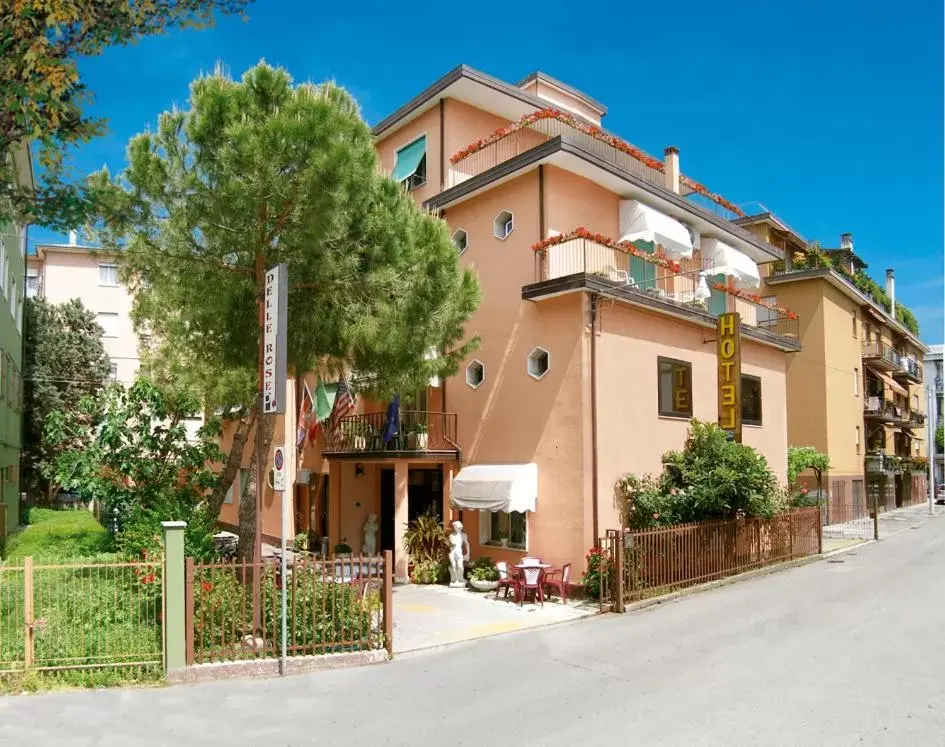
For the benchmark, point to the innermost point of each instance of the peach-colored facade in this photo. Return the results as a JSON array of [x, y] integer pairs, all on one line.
[[602, 366], [67, 271]]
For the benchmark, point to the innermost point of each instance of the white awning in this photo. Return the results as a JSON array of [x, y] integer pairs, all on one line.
[[496, 487], [731, 262], [639, 222]]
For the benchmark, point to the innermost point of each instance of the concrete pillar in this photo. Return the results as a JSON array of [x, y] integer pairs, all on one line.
[[448, 472], [334, 504], [175, 634], [400, 520], [671, 169]]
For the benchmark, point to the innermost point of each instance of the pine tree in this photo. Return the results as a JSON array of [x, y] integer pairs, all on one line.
[[255, 173]]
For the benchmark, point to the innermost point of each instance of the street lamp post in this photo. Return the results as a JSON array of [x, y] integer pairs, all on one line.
[[930, 443]]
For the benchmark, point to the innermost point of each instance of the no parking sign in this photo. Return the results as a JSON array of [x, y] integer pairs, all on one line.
[[278, 471]]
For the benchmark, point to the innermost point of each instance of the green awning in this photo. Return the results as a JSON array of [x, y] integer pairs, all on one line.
[[408, 159]]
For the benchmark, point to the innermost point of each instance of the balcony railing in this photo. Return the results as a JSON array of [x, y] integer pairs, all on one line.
[[916, 419], [875, 463], [881, 409], [881, 354], [529, 133], [909, 369], [419, 432], [644, 277]]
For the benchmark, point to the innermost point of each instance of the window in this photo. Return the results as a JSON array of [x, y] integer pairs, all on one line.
[[512, 526], [410, 165], [675, 388], [19, 314], [32, 283], [109, 324], [854, 322], [856, 382], [539, 361], [461, 240], [108, 274], [12, 296], [475, 374], [765, 315], [751, 400], [857, 439], [113, 372], [642, 273], [503, 225], [242, 478]]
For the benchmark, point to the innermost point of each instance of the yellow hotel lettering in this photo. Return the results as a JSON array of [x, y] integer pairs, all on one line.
[[728, 328]]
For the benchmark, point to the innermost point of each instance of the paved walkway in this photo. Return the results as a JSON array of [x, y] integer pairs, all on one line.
[[432, 616]]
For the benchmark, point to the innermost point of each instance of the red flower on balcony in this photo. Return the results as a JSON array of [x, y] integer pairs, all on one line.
[[624, 246], [756, 300], [598, 134]]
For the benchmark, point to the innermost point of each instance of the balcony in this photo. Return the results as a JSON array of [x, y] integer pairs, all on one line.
[[909, 370], [916, 419], [879, 463], [645, 279], [540, 127], [877, 408], [880, 355], [420, 433]]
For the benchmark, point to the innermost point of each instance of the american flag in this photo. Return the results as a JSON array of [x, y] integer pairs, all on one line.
[[344, 404]]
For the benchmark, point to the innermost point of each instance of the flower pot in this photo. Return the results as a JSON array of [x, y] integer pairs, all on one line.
[[360, 443], [504, 542], [483, 585], [422, 441]]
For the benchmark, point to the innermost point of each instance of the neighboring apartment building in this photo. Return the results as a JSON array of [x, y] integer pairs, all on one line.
[[933, 378], [856, 391], [595, 353], [12, 265], [61, 272]]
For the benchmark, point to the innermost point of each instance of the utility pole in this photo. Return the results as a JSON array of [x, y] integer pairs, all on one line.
[[930, 442]]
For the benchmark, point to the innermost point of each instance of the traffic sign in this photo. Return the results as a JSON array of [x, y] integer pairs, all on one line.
[[278, 463]]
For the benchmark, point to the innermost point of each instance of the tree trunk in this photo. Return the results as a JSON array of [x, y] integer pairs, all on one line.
[[234, 461], [248, 500]]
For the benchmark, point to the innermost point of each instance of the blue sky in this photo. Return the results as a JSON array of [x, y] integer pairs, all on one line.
[[830, 113]]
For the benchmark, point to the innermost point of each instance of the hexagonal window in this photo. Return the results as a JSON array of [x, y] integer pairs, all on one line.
[[539, 361], [475, 374], [460, 240], [503, 225]]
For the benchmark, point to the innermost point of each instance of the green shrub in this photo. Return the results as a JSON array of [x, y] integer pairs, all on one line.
[[712, 477], [484, 569], [597, 568], [427, 540], [429, 572]]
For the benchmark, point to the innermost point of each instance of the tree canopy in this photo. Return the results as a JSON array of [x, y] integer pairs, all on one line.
[[42, 95], [64, 362], [801, 458], [259, 172], [129, 450]]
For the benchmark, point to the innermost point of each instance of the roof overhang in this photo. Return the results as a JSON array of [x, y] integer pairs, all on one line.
[[541, 77], [832, 277], [570, 156], [470, 86], [775, 222]]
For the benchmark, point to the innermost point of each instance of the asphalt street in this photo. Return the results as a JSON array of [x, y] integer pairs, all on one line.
[[847, 651]]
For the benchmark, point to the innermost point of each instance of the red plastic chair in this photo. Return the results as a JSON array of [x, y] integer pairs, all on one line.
[[530, 580], [558, 579], [506, 578]]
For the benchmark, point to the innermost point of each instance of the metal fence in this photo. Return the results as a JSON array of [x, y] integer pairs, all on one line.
[[848, 512], [658, 561], [82, 615], [337, 605]]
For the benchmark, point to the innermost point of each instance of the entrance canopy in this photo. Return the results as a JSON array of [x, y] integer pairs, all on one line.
[[496, 487]]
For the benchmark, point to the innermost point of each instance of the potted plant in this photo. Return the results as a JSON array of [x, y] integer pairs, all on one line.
[[343, 548], [427, 544], [421, 436], [503, 538], [484, 576]]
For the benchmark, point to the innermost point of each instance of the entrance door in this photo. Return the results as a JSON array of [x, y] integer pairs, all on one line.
[[387, 511]]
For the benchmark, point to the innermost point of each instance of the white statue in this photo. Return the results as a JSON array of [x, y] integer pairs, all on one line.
[[370, 535], [459, 553]]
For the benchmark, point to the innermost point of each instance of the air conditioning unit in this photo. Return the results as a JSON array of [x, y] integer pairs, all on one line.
[[303, 477]]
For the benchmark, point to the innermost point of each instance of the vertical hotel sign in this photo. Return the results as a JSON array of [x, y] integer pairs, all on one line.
[[728, 328], [275, 316]]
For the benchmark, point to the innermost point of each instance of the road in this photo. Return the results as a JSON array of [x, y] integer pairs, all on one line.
[[848, 652]]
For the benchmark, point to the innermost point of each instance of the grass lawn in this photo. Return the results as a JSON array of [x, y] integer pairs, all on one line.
[[57, 536], [88, 611]]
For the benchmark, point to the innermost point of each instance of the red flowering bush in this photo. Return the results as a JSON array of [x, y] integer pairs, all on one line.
[[597, 566]]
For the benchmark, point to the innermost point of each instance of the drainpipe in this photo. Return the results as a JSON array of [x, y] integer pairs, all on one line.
[[594, 486]]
